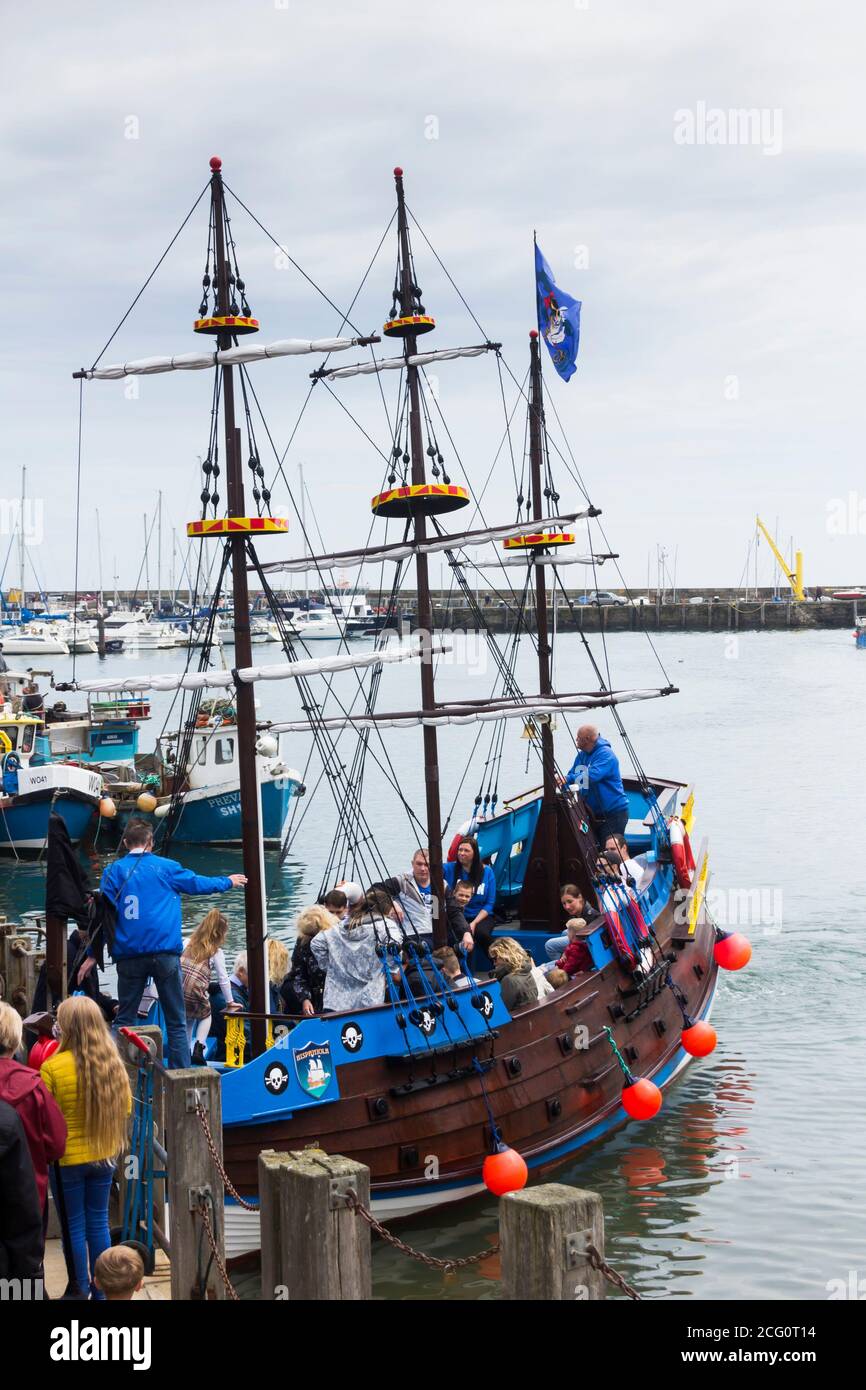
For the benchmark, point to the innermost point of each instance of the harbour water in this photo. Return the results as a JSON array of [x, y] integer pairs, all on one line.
[[747, 1186]]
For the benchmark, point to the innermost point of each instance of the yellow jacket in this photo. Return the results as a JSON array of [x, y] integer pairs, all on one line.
[[61, 1078]]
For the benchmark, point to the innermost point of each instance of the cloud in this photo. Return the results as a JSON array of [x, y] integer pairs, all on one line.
[[705, 263]]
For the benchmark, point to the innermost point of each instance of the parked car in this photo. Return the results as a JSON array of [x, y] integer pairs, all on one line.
[[604, 597]]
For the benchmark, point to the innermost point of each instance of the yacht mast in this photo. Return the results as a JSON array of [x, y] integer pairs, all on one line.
[[425, 609], [547, 840], [159, 554], [21, 544], [251, 839]]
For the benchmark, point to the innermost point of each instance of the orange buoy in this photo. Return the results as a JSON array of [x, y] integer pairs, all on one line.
[[732, 950], [641, 1099], [699, 1039], [504, 1171], [107, 807], [146, 802]]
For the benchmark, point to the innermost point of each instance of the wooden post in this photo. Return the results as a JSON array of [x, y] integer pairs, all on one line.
[[314, 1247], [22, 969], [191, 1170], [274, 1247], [544, 1232]]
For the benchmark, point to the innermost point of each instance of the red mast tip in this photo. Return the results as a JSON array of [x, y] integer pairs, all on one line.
[[533, 332], [398, 172], [216, 163]]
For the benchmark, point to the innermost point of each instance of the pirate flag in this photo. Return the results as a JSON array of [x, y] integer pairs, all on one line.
[[558, 318]]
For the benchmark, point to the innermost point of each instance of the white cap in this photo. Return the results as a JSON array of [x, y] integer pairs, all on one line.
[[354, 892]]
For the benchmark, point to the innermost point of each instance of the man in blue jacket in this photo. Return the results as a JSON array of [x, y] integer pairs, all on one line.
[[596, 773], [145, 890]]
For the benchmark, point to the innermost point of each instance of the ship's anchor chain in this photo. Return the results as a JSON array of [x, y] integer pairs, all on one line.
[[431, 1261]]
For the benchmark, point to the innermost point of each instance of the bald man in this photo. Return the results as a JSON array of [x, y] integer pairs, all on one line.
[[596, 772]]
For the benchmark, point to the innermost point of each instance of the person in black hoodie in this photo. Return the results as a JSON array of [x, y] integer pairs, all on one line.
[[21, 1238]]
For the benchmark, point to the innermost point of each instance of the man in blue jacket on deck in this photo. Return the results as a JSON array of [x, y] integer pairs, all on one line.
[[596, 772], [145, 890]]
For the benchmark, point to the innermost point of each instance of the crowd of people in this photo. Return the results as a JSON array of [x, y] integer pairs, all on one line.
[[64, 1126]]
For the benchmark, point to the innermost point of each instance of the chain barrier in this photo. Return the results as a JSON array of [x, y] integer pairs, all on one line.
[[218, 1259], [218, 1163], [598, 1262], [431, 1261], [595, 1259]]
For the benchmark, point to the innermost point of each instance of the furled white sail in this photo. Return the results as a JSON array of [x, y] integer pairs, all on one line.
[[217, 680], [236, 356], [345, 559], [530, 557], [417, 359], [534, 705]]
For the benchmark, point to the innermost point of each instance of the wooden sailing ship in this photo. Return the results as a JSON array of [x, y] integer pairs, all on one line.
[[424, 1087]]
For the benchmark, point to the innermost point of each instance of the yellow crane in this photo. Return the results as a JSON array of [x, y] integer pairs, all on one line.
[[795, 576]]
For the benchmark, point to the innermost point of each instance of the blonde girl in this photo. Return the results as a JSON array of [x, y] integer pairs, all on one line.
[[278, 969], [203, 951], [88, 1080]]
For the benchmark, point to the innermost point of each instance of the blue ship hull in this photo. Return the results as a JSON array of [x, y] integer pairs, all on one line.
[[24, 824], [213, 817]]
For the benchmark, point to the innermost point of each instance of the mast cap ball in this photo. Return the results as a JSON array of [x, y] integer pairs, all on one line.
[[533, 332], [504, 1171], [398, 172], [216, 163]]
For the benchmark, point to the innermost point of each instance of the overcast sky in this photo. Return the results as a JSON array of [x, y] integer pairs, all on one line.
[[721, 368]]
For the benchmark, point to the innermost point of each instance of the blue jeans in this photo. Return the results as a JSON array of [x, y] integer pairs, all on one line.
[[133, 973], [554, 946], [86, 1189], [611, 823]]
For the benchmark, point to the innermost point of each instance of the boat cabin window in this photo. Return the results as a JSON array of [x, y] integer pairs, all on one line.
[[224, 751], [11, 732], [27, 733]]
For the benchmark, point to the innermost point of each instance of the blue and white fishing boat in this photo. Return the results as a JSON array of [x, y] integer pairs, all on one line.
[[31, 790], [202, 806], [439, 1085]]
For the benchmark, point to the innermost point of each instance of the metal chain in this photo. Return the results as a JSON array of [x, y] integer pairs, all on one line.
[[431, 1261], [229, 1185], [598, 1262], [220, 1264]]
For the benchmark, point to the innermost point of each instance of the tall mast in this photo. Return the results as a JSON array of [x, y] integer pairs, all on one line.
[[146, 559], [303, 524], [251, 839], [159, 554], [100, 603], [21, 542], [422, 579], [547, 840]]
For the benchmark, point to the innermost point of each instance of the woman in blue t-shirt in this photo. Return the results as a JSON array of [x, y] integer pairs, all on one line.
[[468, 867]]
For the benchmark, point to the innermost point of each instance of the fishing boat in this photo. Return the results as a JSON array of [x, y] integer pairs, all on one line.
[[202, 804], [30, 790], [435, 1084]]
